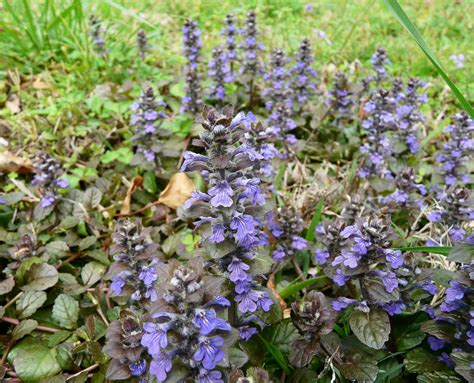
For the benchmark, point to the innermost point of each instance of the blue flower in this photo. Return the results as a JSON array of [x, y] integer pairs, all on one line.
[[209, 351], [160, 366], [207, 321], [137, 368], [156, 338]]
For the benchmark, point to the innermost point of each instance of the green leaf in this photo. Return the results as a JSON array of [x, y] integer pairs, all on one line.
[[402, 17], [443, 250], [24, 328], [33, 361], [439, 377], [92, 272], [277, 355], [420, 360], [294, 288], [57, 249], [177, 90], [41, 277], [462, 253], [149, 182], [92, 198], [237, 357], [372, 328], [7, 285], [66, 311], [463, 362], [87, 242], [29, 302], [310, 234]]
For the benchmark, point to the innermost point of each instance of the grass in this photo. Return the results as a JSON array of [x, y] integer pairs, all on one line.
[[49, 40]]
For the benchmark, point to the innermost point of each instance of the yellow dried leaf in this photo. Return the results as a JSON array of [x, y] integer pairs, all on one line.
[[137, 181], [177, 191], [13, 104]]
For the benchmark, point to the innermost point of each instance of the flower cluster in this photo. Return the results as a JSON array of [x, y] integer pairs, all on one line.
[[341, 101], [407, 194], [451, 330], [142, 43], [147, 119], [286, 226], [134, 273], [185, 334], [304, 75], [97, 34], [230, 33], [408, 113], [230, 211], [251, 65], [380, 120], [278, 97], [379, 61], [219, 72], [458, 150], [192, 45], [123, 347], [360, 253], [47, 178], [258, 137], [455, 210], [313, 317]]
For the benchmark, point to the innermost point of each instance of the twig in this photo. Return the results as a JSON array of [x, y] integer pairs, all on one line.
[[11, 301], [271, 286], [186, 144], [90, 368], [99, 310], [39, 328], [298, 269]]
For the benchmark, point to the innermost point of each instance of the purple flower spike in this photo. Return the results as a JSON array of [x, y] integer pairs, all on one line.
[[221, 194]]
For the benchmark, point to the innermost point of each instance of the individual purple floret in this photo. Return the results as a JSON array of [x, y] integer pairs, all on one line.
[[186, 327], [192, 45], [341, 103], [133, 273], [97, 34], [380, 120], [304, 75], [407, 194], [408, 113], [230, 31], [457, 151], [286, 226], [231, 210], [455, 211], [47, 179], [147, 119], [361, 254], [142, 43], [251, 66], [219, 72]]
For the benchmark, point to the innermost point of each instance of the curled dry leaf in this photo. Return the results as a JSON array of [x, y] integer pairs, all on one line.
[[137, 181], [177, 191], [13, 104], [10, 162]]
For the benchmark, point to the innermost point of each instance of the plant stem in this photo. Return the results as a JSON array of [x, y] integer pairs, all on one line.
[[39, 328]]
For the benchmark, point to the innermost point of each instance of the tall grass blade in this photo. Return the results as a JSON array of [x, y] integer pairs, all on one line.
[[402, 17]]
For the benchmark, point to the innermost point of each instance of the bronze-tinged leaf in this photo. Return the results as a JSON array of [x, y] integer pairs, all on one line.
[[117, 371], [10, 162], [372, 328], [177, 191], [302, 351]]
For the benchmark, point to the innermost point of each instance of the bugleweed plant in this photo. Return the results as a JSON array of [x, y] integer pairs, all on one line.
[[313, 225]]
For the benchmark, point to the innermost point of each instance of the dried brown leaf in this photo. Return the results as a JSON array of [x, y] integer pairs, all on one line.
[[137, 181], [177, 191], [10, 162]]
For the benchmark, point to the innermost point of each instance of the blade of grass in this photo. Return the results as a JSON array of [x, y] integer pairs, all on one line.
[[294, 288], [277, 355], [315, 220], [443, 250], [402, 17]]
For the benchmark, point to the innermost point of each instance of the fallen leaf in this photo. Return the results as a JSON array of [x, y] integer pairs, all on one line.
[[13, 104], [137, 181], [177, 191], [10, 162], [40, 84]]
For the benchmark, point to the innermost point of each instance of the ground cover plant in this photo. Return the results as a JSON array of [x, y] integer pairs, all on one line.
[[185, 197]]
